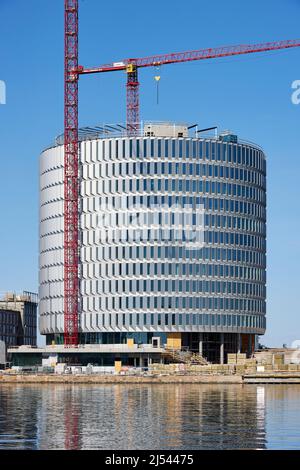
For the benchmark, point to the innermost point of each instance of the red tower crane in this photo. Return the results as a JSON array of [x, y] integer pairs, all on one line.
[[71, 181], [71, 159]]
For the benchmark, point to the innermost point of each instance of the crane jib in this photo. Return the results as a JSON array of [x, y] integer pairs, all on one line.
[[201, 54]]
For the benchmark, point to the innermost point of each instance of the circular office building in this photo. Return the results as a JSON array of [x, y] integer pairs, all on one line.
[[173, 239]]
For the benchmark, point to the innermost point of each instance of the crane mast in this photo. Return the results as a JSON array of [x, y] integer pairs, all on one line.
[[132, 100], [71, 180]]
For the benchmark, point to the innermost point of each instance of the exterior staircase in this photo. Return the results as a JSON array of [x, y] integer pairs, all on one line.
[[185, 357]]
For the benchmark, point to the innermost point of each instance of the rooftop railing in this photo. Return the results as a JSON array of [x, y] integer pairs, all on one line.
[[107, 131]]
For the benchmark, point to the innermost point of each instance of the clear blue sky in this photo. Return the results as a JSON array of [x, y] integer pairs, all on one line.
[[250, 95]]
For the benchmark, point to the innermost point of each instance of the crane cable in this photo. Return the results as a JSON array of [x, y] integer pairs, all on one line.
[[157, 79]]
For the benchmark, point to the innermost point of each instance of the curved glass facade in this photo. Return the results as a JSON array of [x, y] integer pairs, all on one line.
[[173, 236]]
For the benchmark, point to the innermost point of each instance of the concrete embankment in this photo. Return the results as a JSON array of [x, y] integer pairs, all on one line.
[[118, 379], [272, 378], [269, 378]]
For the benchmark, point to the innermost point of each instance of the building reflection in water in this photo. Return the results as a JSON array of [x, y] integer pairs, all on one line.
[[17, 403], [143, 416], [156, 417], [218, 417]]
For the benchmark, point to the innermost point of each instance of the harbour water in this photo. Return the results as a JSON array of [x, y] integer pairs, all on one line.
[[166, 417]]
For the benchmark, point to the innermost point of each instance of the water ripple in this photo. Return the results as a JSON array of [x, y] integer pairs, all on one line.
[[149, 417]]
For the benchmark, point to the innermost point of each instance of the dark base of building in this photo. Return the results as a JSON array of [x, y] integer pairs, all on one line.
[[84, 358], [214, 347]]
